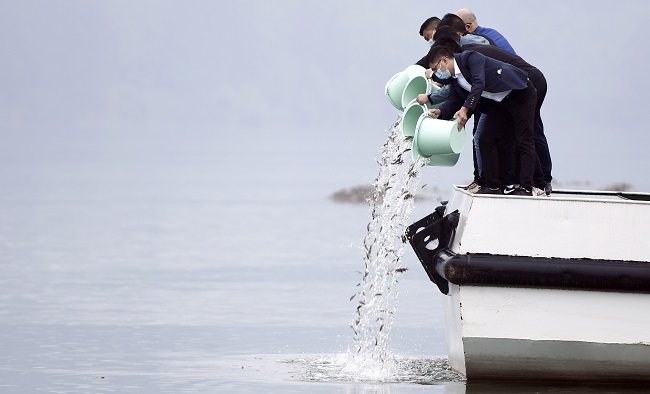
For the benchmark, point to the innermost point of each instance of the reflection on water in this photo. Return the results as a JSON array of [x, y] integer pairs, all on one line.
[[333, 373], [488, 387], [382, 378]]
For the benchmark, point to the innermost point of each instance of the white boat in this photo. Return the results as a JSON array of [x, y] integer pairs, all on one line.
[[542, 288]]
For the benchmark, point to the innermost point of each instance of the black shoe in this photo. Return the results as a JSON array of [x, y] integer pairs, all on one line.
[[489, 190], [521, 191], [548, 188], [509, 189]]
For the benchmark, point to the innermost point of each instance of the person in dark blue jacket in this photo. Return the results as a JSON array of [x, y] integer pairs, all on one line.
[[499, 89], [472, 26], [543, 169], [544, 165]]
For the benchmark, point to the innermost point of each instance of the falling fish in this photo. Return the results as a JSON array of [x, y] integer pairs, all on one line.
[[381, 249]]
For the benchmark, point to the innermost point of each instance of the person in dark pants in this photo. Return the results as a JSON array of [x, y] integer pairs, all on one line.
[[508, 166], [517, 107], [541, 144], [543, 166], [453, 25], [499, 89]]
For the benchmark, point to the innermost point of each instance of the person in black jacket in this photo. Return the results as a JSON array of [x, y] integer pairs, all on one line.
[[543, 169], [543, 166], [500, 90], [428, 29], [453, 25]]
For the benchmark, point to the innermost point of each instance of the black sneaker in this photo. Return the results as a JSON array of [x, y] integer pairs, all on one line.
[[521, 191], [548, 189], [489, 190], [509, 189]]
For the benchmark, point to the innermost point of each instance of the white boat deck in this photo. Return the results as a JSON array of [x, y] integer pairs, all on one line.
[[578, 195], [568, 224]]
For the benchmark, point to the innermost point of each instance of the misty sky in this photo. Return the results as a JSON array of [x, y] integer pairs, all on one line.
[[86, 75]]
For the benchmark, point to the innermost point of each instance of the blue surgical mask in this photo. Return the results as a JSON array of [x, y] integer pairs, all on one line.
[[443, 74], [431, 42]]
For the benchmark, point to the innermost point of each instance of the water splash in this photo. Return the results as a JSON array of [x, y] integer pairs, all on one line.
[[391, 204], [346, 367]]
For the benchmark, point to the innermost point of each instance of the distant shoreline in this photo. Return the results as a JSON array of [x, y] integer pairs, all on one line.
[[361, 194]]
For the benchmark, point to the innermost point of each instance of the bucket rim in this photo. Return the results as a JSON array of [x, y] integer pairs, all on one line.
[[414, 77], [415, 151], [413, 103]]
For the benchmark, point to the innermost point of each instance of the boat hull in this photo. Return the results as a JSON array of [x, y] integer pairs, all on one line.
[[542, 288], [546, 334]]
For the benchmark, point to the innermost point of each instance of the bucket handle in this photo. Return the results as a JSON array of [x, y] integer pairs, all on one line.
[[455, 120]]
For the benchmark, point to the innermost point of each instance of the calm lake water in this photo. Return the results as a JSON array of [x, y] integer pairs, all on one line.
[[182, 270]]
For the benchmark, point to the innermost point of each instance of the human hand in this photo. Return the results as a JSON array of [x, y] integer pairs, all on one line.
[[461, 115], [427, 73], [434, 113], [422, 99]]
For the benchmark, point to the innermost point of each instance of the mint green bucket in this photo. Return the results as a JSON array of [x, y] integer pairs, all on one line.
[[418, 84], [412, 114], [437, 137], [397, 83]]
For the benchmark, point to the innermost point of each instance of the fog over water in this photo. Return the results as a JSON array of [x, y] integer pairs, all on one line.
[[116, 80]]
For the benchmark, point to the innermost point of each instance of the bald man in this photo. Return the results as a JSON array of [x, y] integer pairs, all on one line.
[[471, 23]]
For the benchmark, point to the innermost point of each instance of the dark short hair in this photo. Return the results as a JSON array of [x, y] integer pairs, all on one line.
[[437, 52], [445, 31], [429, 24], [455, 22], [450, 44]]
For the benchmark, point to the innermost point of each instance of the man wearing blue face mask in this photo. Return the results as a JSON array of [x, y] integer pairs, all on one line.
[[453, 22], [452, 25], [478, 82], [428, 29]]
